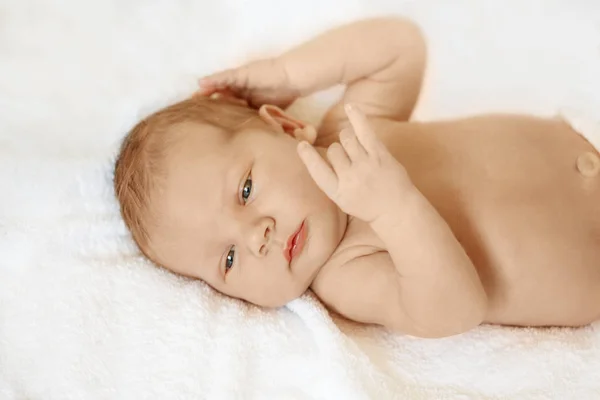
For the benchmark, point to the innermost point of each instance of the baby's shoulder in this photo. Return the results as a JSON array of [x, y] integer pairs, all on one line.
[[359, 281]]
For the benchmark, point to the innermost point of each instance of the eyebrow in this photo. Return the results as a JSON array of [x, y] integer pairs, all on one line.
[[235, 171], [230, 180], [231, 171]]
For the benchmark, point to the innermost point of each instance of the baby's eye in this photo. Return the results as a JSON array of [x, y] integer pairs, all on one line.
[[247, 189], [229, 259]]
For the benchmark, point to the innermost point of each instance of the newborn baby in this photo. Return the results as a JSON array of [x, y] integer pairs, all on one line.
[[429, 229]]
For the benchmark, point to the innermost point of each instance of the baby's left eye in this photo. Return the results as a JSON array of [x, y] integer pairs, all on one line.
[[247, 189]]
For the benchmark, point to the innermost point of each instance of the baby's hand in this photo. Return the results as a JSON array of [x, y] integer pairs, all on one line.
[[259, 82], [364, 179]]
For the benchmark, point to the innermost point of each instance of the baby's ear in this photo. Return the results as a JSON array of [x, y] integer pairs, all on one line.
[[282, 122]]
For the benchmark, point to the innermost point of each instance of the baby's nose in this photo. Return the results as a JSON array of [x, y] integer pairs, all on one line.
[[260, 236]]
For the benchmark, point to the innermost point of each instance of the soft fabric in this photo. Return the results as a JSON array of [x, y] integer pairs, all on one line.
[[82, 316]]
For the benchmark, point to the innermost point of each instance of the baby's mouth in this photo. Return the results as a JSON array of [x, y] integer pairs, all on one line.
[[295, 243]]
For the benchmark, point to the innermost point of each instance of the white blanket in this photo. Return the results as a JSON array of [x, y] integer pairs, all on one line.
[[82, 316]]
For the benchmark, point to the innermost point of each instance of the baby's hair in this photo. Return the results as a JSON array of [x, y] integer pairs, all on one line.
[[140, 163]]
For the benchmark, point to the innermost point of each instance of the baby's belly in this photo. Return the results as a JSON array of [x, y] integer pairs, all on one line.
[[527, 218], [539, 261]]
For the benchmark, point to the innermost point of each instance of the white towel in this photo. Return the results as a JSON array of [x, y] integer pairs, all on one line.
[[82, 316]]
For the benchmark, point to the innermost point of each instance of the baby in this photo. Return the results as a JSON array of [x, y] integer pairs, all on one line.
[[429, 229]]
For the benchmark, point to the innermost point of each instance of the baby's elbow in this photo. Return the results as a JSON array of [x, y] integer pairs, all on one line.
[[477, 308], [443, 323], [474, 316], [465, 313], [445, 328], [411, 36], [466, 317]]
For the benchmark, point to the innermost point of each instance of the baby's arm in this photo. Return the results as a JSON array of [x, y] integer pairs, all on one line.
[[382, 61], [440, 293], [425, 284]]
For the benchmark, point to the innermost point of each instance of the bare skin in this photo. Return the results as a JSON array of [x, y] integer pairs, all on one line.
[[528, 220], [432, 228]]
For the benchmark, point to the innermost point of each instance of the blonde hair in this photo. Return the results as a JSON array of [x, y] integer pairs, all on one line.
[[139, 165]]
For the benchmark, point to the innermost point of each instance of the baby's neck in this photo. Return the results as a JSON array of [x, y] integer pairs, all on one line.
[[348, 221]]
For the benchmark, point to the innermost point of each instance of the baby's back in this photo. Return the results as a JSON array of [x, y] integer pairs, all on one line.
[[510, 190]]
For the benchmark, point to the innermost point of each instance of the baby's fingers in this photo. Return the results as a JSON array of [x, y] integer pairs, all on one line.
[[318, 169], [365, 134], [219, 81]]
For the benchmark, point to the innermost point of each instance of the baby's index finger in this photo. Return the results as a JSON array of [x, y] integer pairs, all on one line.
[[318, 168], [362, 128]]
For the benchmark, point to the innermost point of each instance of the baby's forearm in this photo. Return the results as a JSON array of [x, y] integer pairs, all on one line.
[[353, 51], [440, 288]]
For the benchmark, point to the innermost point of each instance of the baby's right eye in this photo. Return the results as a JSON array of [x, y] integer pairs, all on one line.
[[229, 259]]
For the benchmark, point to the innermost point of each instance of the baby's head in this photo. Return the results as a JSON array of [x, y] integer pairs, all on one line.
[[215, 190]]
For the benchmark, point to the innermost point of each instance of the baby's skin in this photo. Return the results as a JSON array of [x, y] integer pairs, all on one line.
[[428, 229]]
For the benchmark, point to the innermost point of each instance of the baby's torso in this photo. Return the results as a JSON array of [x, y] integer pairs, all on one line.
[[510, 190]]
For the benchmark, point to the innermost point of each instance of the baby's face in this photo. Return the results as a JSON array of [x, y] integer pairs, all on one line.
[[240, 212]]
